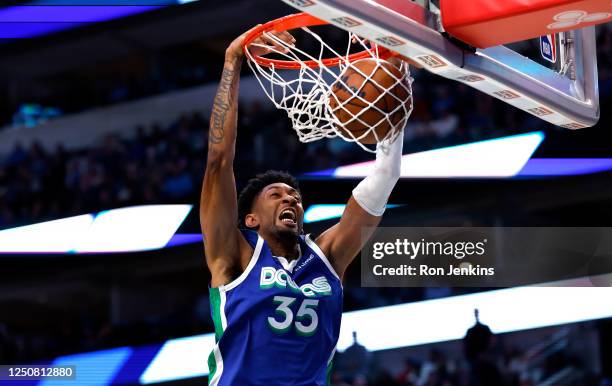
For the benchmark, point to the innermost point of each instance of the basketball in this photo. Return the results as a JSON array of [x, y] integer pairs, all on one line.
[[366, 96]]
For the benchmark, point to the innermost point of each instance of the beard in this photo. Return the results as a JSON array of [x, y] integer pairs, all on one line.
[[285, 232]]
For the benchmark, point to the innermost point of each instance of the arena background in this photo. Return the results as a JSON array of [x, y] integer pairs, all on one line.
[[109, 110]]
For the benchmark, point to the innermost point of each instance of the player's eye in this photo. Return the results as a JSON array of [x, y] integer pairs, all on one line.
[[274, 195]]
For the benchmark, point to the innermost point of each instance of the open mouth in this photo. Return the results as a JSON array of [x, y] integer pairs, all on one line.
[[288, 217]]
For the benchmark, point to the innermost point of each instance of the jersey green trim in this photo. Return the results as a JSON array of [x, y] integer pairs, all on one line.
[[330, 366], [215, 305], [212, 365]]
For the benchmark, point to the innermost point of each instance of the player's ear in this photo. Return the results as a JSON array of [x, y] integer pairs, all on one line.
[[251, 220]]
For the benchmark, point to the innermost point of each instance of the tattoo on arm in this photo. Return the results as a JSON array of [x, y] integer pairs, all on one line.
[[221, 106]]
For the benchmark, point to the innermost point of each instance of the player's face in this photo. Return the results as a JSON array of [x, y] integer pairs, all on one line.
[[280, 209]]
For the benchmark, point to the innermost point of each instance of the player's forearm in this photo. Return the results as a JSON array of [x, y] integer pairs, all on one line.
[[224, 115], [373, 192]]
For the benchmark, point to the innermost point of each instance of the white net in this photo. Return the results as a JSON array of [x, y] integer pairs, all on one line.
[[365, 102]]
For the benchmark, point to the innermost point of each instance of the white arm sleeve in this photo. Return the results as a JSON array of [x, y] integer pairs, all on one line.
[[373, 192]]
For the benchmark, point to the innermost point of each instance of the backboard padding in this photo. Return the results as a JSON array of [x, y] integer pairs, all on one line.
[[497, 71]]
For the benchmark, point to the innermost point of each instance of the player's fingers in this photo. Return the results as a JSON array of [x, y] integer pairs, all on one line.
[[286, 37], [273, 44], [263, 44]]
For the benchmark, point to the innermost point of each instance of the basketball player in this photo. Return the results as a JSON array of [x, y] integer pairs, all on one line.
[[276, 295]]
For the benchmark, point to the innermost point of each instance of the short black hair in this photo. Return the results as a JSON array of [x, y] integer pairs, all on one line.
[[255, 186]]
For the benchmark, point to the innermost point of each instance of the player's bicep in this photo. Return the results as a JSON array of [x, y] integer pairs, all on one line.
[[218, 198], [218, 213], [343, 241]]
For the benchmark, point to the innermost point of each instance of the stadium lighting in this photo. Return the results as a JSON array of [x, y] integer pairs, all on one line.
[[321, 212], [504, 311], [41, 17], [131, 229], [541, 167], [136, 228], [171, 363], [50, 236], [494, 158]]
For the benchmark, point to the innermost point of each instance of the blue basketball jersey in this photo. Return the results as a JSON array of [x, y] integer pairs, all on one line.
[[278, 322]]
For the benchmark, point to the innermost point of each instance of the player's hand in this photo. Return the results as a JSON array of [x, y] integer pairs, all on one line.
[[262, 45]]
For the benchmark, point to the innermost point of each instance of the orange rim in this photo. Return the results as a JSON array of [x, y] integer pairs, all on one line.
[[299, 20]]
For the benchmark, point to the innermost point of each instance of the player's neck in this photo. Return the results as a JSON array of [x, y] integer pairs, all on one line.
[[286, 247]]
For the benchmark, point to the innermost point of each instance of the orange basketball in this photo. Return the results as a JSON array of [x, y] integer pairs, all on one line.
[[353, 92]]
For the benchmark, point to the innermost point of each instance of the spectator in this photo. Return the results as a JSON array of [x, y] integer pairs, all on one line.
[[355, 361], [409, 375], [478, 344]]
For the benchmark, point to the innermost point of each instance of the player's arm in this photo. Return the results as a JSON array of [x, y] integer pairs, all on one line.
[[225, 247], [227, 252], [342, 242]]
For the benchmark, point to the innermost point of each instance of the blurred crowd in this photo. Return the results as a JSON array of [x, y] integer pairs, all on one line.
[[440, 370], [63, 335], [165, 164], [484, 360]]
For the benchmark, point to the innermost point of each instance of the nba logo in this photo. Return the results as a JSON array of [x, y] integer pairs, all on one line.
[[548, 47]]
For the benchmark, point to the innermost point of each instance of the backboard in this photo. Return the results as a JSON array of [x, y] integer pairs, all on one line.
[[564, 94]]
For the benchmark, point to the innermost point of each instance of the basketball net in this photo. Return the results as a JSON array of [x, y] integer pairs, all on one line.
[[304, 91]]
